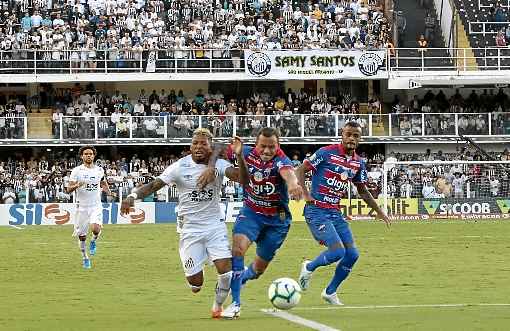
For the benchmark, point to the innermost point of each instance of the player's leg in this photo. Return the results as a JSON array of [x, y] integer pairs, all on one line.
[[246, 230], [270, 240], [81, 228], [345, 266], [96, 220], [218, 250], [193, 255], [320, 223]]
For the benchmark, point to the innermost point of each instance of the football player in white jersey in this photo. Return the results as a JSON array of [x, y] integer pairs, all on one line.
[[200, 221], [87, 180]]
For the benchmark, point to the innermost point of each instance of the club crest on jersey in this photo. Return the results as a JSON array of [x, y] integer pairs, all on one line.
[[344, 176], [258, 176], [267, 172]]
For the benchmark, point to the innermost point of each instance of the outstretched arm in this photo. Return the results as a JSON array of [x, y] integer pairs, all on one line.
[[295, 190], [301, 177], [140, 193], [369, 199]]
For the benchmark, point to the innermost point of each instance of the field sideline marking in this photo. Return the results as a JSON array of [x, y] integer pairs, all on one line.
[[440, 305], [298, 320]]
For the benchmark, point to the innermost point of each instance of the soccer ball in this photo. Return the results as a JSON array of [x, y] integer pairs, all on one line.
[[284, 293]]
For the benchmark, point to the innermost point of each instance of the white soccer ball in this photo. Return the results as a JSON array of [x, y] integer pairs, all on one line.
[[284, 293]]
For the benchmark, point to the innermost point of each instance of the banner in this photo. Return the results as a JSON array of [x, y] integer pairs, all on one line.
[[358, 207], [447, 207], [151, 62], [64, 213], [316, 64]]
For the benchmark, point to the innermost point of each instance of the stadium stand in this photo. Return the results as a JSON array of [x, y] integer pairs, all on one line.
[[93, 35]]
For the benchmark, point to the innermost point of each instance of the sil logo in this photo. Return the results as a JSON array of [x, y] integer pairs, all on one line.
[[53, 212], [135, 216]]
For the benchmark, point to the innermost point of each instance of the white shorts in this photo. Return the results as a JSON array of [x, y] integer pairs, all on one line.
[[196, 249], [84, 217]]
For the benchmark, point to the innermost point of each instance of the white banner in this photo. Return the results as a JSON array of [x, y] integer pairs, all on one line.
[[64, 213], [316, 64], [151, 62]]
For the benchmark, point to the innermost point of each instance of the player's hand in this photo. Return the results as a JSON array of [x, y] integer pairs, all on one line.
[[382, 216], [237, 146], [208, 176], [126, 204], [296, 192], [307, 196]]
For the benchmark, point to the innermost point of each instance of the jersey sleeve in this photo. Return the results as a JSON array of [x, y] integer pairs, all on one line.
[[221, 166], [315, 159], [170, 174], [361, 176], [283, 161]]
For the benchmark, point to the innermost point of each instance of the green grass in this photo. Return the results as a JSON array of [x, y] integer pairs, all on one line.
[[136, 281]]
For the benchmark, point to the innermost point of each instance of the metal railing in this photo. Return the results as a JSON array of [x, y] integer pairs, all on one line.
[[492, 3], [291, 126], [485, 28], [67, 61], [437, 59], [185, 61]]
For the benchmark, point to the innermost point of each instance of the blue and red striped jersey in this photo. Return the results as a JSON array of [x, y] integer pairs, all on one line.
[[332, 170], [266, 192]]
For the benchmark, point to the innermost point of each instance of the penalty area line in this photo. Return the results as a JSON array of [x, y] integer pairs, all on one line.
[[298, 320], [440, 305]]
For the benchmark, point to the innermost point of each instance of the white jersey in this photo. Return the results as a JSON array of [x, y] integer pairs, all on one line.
[[88, 195], [198, 210]]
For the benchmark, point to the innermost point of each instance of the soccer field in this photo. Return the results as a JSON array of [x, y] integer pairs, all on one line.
[[444, 275]]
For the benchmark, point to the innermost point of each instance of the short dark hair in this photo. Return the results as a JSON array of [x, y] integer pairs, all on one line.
[[353, 124], [268, 132], [84, 148]]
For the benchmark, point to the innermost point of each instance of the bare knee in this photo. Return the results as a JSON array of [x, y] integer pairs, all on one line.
[[240, 245]]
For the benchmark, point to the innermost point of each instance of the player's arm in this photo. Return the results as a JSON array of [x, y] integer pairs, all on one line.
[[141, 193], [365, 194], [295, 190], [105, 187], [209, 174], [301, 177], [235, 174], [73, 186], [243, 173]]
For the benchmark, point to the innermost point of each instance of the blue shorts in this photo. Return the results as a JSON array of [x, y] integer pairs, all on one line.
[[328, 226], [268, 232]]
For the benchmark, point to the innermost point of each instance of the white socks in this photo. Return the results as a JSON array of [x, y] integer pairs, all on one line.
[[223, 287], [82, 245]]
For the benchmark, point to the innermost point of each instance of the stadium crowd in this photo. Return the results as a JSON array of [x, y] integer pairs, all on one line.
[[447, 181], [88, 32], [181, 112], [41, 180]]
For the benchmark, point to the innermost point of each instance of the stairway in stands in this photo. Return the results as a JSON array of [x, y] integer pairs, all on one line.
[[39, 124], [415, 17]]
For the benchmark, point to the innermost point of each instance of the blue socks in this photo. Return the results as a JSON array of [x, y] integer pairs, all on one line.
[[235, 285], [325, 258], [343, 269], [248, 274]]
